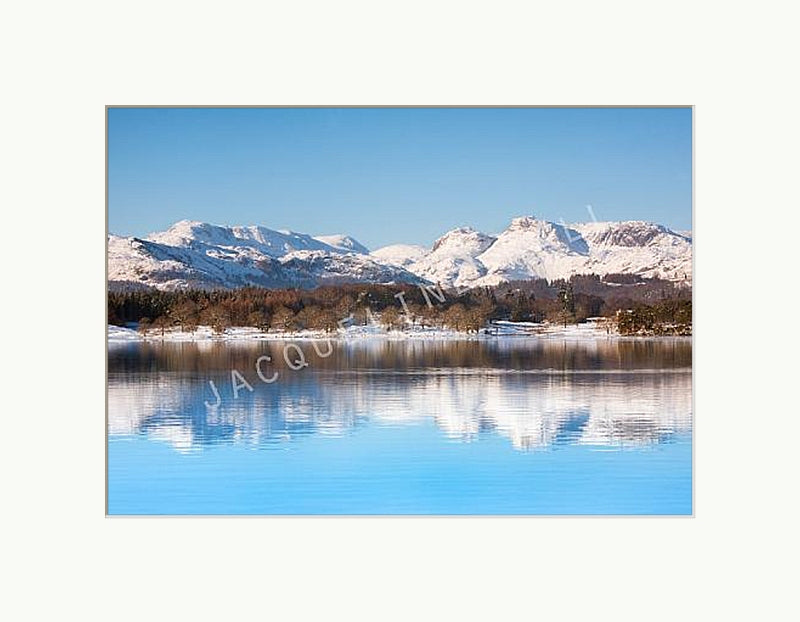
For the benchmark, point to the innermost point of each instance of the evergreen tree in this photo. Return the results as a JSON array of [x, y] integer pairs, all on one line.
[[566, 297]]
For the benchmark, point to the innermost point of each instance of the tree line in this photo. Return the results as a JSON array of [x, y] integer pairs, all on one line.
[[640, 305], [668, 317]]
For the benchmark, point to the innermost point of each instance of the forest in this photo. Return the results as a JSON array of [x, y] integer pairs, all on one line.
[[637, 306]]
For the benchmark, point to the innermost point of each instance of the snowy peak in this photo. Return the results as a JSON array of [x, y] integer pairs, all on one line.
[[532, 248], [452, 260], [278, 242], [189, 233], [135, 263], [626, 234], [464, 240], [523, 222], [543, 235], [192, 254], [343, 243], [400, 254], [184, 232]]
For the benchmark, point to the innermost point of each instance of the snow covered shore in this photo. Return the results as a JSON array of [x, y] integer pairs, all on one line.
[[588, 330]]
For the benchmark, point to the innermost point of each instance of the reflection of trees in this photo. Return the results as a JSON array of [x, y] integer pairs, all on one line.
[[470, 389], [519, 353], [174, 410]]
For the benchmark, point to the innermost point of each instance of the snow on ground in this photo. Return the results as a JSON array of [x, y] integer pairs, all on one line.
[[118, 333], [589, 330]]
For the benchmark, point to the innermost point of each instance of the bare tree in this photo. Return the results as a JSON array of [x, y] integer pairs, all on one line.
[[144, 325], [456, 317], [217, 317], [259, 319], [392, 319], [161, 323], [283, 319], [184, 314]]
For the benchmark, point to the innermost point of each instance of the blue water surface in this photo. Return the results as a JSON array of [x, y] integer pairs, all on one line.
[[480, 427]]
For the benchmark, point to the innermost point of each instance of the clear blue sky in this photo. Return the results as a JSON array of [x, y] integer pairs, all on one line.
[[396, 175]]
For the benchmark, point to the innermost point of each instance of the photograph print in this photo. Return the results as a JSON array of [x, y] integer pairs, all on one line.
[[318, 311]]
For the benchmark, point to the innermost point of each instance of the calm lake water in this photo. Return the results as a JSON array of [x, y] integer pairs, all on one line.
[[484, 426]]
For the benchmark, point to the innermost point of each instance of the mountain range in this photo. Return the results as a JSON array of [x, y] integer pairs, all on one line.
[[193, 254]]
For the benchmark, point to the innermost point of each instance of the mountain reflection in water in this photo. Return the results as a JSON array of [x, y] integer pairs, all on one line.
[[537, 393]]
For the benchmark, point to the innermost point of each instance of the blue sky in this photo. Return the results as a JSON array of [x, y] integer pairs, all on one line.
[[396, 174]]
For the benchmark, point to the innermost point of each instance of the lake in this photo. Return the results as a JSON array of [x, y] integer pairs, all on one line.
[[495, 425]]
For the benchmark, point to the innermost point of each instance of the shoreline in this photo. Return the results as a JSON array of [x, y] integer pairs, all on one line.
[[118, 334]]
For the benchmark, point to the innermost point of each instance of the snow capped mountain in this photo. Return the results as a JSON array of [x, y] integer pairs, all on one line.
[[133, 262], [241, 240], [452, 259], [200, 255], [532, 248], [344, 243], [643, 248], [204, 256]]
